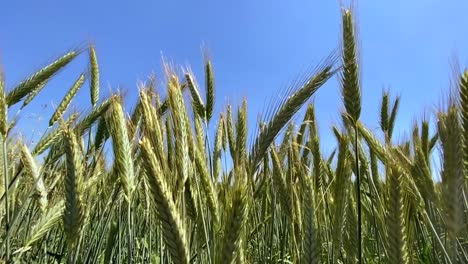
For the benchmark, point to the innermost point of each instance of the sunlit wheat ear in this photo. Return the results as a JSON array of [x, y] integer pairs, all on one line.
[[310, 247], [393, 115], [36, 80], [397, 251], [102, 133], [351, 221], [307, 123], [123, 164], [169, 135], [241, 135], [165, 104], [318, 170], [94, 73], [197, 102], [173, 230], [73, 217], [207, 183], [152, 127], [135, 117], [280, 184], [425, 138], [230, 132], [350, 75], [452, 169], [236, 217], [181, 129], [210, 89], [340, 192], [62, 107], [384, 112], [3, 106], [190, 198], [373, 142], [199, 133], [218, 148], [33, 170], [287, 110]]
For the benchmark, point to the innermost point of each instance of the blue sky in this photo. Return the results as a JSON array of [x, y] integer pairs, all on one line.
[[257, 47]]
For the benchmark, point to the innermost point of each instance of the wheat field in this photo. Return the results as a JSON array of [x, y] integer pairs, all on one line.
[[148, 184]]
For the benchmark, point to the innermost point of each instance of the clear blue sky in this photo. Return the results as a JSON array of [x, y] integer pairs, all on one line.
[[257, 47]]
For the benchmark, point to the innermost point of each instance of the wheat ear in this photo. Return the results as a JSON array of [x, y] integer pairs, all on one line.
[[38, 78], [173, 230]]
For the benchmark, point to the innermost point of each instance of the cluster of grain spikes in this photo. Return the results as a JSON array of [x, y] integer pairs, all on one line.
[[147, 186]]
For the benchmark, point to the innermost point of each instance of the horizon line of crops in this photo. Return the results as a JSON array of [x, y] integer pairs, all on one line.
[[167, 197]]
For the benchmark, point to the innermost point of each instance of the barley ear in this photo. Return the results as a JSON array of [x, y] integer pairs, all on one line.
[[38, 78], [62, 107], [94, 70]]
